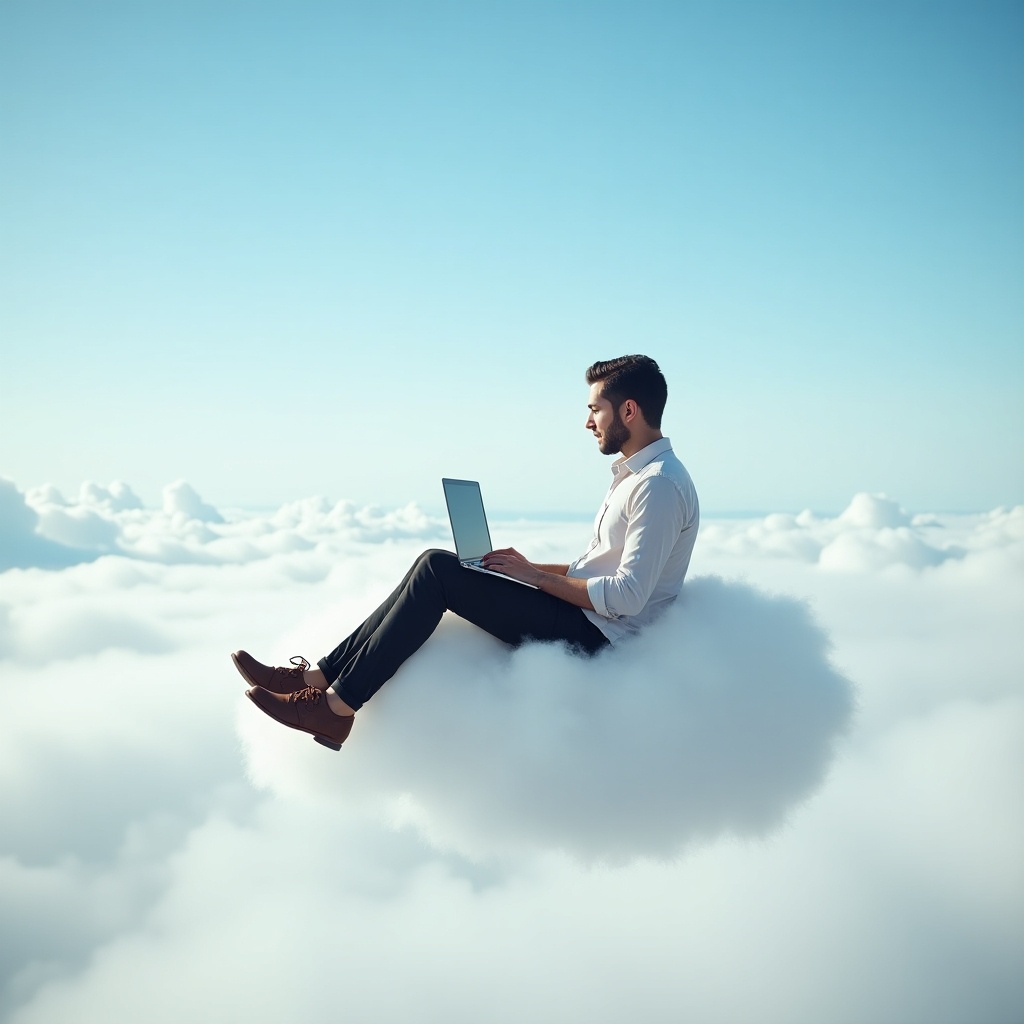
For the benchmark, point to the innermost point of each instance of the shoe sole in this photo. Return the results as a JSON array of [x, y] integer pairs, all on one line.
[[319, 737]]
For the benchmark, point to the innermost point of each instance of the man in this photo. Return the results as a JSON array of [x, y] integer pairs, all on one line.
[[633, 569]]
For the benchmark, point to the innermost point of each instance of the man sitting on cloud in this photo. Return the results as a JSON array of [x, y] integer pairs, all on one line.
[[633, 569]]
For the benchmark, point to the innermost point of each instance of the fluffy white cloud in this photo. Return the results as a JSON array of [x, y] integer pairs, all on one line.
[[181, 499], [718, 718], [442, 866], [118, 497], [872, 533], [78, 527], [43, 529], [21, 542]]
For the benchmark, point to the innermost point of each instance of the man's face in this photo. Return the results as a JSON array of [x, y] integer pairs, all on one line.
[[605, 424]]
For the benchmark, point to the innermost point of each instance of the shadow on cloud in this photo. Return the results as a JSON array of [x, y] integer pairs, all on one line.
[[718, 719]]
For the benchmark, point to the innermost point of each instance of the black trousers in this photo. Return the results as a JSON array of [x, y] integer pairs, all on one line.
[[362, 663]]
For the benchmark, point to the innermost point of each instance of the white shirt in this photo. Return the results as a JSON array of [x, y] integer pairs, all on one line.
[[643, 539]]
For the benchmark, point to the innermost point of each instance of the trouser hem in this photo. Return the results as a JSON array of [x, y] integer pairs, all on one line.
[[335, 685]]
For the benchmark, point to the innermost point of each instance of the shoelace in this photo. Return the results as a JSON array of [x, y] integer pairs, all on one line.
[[300, 664], [309, 696]]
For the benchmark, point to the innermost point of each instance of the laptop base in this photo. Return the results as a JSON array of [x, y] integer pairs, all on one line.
[[500, 575]]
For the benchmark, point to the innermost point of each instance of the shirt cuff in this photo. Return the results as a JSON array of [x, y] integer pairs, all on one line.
[[595, 591]]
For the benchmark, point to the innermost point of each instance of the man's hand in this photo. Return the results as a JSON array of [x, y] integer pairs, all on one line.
[[552, 579], [512, 563]]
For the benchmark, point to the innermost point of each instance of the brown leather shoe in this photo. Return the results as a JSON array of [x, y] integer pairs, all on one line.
[[306, 710], [276, 680]]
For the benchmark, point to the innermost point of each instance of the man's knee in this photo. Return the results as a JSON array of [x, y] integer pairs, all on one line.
[[436, 562]]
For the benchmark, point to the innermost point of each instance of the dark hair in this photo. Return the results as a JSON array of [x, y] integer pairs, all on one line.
[[636, 377]]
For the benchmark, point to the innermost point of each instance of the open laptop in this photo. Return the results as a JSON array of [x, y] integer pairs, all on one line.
[[469, 526]]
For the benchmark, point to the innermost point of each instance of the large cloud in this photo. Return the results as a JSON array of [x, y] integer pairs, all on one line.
[[717, 719]]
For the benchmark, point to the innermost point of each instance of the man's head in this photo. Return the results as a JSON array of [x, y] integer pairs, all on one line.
[[627, 398]]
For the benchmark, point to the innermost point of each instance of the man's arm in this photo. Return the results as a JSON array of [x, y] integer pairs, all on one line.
[[551, 579], [656, 518], [568, 588]]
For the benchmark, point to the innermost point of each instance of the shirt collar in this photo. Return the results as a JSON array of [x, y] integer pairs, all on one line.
[[639, 459]]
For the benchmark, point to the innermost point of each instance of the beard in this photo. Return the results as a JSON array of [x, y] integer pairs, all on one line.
[[614, 437]]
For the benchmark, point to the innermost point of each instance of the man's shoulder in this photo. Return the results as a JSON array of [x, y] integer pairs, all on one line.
[[667, 465], [665, 478]]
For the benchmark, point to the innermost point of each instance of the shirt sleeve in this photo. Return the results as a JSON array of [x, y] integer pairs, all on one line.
[[656, 516]]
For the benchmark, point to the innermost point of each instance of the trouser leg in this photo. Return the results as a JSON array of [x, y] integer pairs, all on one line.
[[364, 661], [333, 665]]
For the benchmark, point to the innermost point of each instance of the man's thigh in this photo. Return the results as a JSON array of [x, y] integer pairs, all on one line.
[[510, 611]]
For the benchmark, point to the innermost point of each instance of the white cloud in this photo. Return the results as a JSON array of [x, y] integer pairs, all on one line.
[[21, 543], [46, 530], [874, 511], [181, 499], [118, 497], [78, 527], [718, 719], [146, 879], [43, 529], [873, 532]]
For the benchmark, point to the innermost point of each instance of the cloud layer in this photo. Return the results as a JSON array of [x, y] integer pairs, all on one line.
[[42, 528], [511, 836]]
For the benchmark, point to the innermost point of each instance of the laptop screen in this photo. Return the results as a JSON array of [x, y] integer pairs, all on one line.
[[469, 524]]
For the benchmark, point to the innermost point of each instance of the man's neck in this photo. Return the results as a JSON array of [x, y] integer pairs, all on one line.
[[639, 440]]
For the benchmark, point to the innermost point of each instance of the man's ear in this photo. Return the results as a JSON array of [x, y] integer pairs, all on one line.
[[628, 411]]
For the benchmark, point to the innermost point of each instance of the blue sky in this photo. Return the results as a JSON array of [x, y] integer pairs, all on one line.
[[346, 249]]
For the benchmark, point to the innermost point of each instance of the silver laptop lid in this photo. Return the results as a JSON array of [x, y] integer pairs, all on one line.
[[469, 522]]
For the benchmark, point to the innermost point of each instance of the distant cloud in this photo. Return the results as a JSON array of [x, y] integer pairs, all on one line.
[[22, 544], [874, 511], [871, 533], [44, 529], [181, 499], [80, 527], [118, 497]]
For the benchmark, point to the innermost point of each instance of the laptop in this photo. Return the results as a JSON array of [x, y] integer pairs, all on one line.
[[469, 526]]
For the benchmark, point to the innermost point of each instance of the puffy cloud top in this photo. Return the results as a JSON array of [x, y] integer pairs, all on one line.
[[872, 532], [874, 511], [118, 497], [41, 528], [180, 498]]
